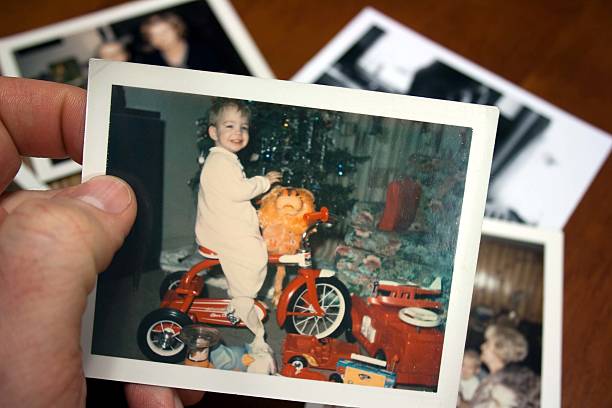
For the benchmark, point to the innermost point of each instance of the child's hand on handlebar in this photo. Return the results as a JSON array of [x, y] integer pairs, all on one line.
[[274, 176]]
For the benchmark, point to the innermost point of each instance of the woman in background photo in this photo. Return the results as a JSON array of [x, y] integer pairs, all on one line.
[[508, 384], [166, 35]]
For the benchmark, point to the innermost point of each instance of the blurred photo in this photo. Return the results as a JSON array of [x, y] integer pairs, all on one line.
[[540, 166], [200, 35], [186, 35]]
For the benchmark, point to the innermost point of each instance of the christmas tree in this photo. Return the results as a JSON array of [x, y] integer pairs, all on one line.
[[299, 142]]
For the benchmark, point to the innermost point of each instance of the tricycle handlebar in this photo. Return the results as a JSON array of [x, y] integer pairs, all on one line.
[[322, 215]]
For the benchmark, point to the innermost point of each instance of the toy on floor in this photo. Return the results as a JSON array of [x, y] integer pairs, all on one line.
[[259, 362], [233, 358], [281, 216], [395, 325], [199, 339], [308, 351], [363, 370], [242, 358], [389, 293]]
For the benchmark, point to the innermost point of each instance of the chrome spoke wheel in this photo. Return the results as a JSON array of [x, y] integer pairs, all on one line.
[[333, 299]]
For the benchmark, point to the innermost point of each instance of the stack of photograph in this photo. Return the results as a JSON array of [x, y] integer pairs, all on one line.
[[386, 228]]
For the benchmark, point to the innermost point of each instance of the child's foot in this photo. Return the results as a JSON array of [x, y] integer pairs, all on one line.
[[259, 346], [263, 363]]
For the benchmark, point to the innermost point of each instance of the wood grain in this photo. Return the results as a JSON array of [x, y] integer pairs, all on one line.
[[509, 276], [558, 50]]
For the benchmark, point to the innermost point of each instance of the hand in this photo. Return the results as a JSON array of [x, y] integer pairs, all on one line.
[[274, 177], [52, 246]]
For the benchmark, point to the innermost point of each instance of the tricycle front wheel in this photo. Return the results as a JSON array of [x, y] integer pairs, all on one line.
[[158, 335], [335, 301]]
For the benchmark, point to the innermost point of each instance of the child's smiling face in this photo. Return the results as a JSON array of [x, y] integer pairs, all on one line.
[[231, 131]]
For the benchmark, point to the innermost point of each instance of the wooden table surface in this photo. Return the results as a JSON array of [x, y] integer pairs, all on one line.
[[558, 50]]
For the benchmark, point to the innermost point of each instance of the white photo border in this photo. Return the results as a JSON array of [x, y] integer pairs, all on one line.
[[224, 12], [481, 119], [552, 319]]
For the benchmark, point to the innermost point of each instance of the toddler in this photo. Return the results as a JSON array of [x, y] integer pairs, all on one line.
[[469, 375], [226, 222]]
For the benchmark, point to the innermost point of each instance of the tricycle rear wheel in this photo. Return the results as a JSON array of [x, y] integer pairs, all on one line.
[[172, 281]]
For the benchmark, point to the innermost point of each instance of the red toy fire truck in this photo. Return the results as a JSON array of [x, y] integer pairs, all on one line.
[[395, 325], [308, 351]]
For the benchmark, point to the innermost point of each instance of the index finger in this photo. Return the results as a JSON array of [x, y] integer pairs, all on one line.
[[40, 119]]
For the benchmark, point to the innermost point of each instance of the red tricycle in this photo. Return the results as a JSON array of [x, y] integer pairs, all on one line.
[[314, 303]]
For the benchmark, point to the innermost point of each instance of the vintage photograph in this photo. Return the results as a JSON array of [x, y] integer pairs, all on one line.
[[513, 346], [311, 242], [201, 35], [540, 167]]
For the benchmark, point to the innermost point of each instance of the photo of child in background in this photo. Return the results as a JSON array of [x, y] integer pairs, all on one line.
[[226, 221], [470, 369]]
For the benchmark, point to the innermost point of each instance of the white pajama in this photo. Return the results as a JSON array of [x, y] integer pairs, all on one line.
[[227, 223]]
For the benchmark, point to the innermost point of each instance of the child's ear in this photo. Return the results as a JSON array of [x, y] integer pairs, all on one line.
[[212, 132]]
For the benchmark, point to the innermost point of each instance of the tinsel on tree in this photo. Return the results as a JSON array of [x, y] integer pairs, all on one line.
[[299, 142]]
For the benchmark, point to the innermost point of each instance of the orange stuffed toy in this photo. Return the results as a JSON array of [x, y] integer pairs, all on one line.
[[282, 222]]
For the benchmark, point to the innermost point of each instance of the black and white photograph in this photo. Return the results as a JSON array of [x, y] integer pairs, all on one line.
[[287, 230], [200, 35], [540, 168]]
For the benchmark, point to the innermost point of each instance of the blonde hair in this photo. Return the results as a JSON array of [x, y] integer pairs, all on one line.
[[173, 19], [509, 344], [220, 104]]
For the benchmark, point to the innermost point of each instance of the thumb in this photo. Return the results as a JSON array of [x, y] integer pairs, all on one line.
[[52, 245]]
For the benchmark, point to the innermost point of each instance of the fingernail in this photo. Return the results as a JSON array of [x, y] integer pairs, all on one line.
[[107, 193], [177, 401]]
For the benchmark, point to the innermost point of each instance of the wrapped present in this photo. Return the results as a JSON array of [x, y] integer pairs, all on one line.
[[379, 242], [383, 243], [401, 205], [358, 269], [357, 284], [417, 256], [366, 215], [357, 261]]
